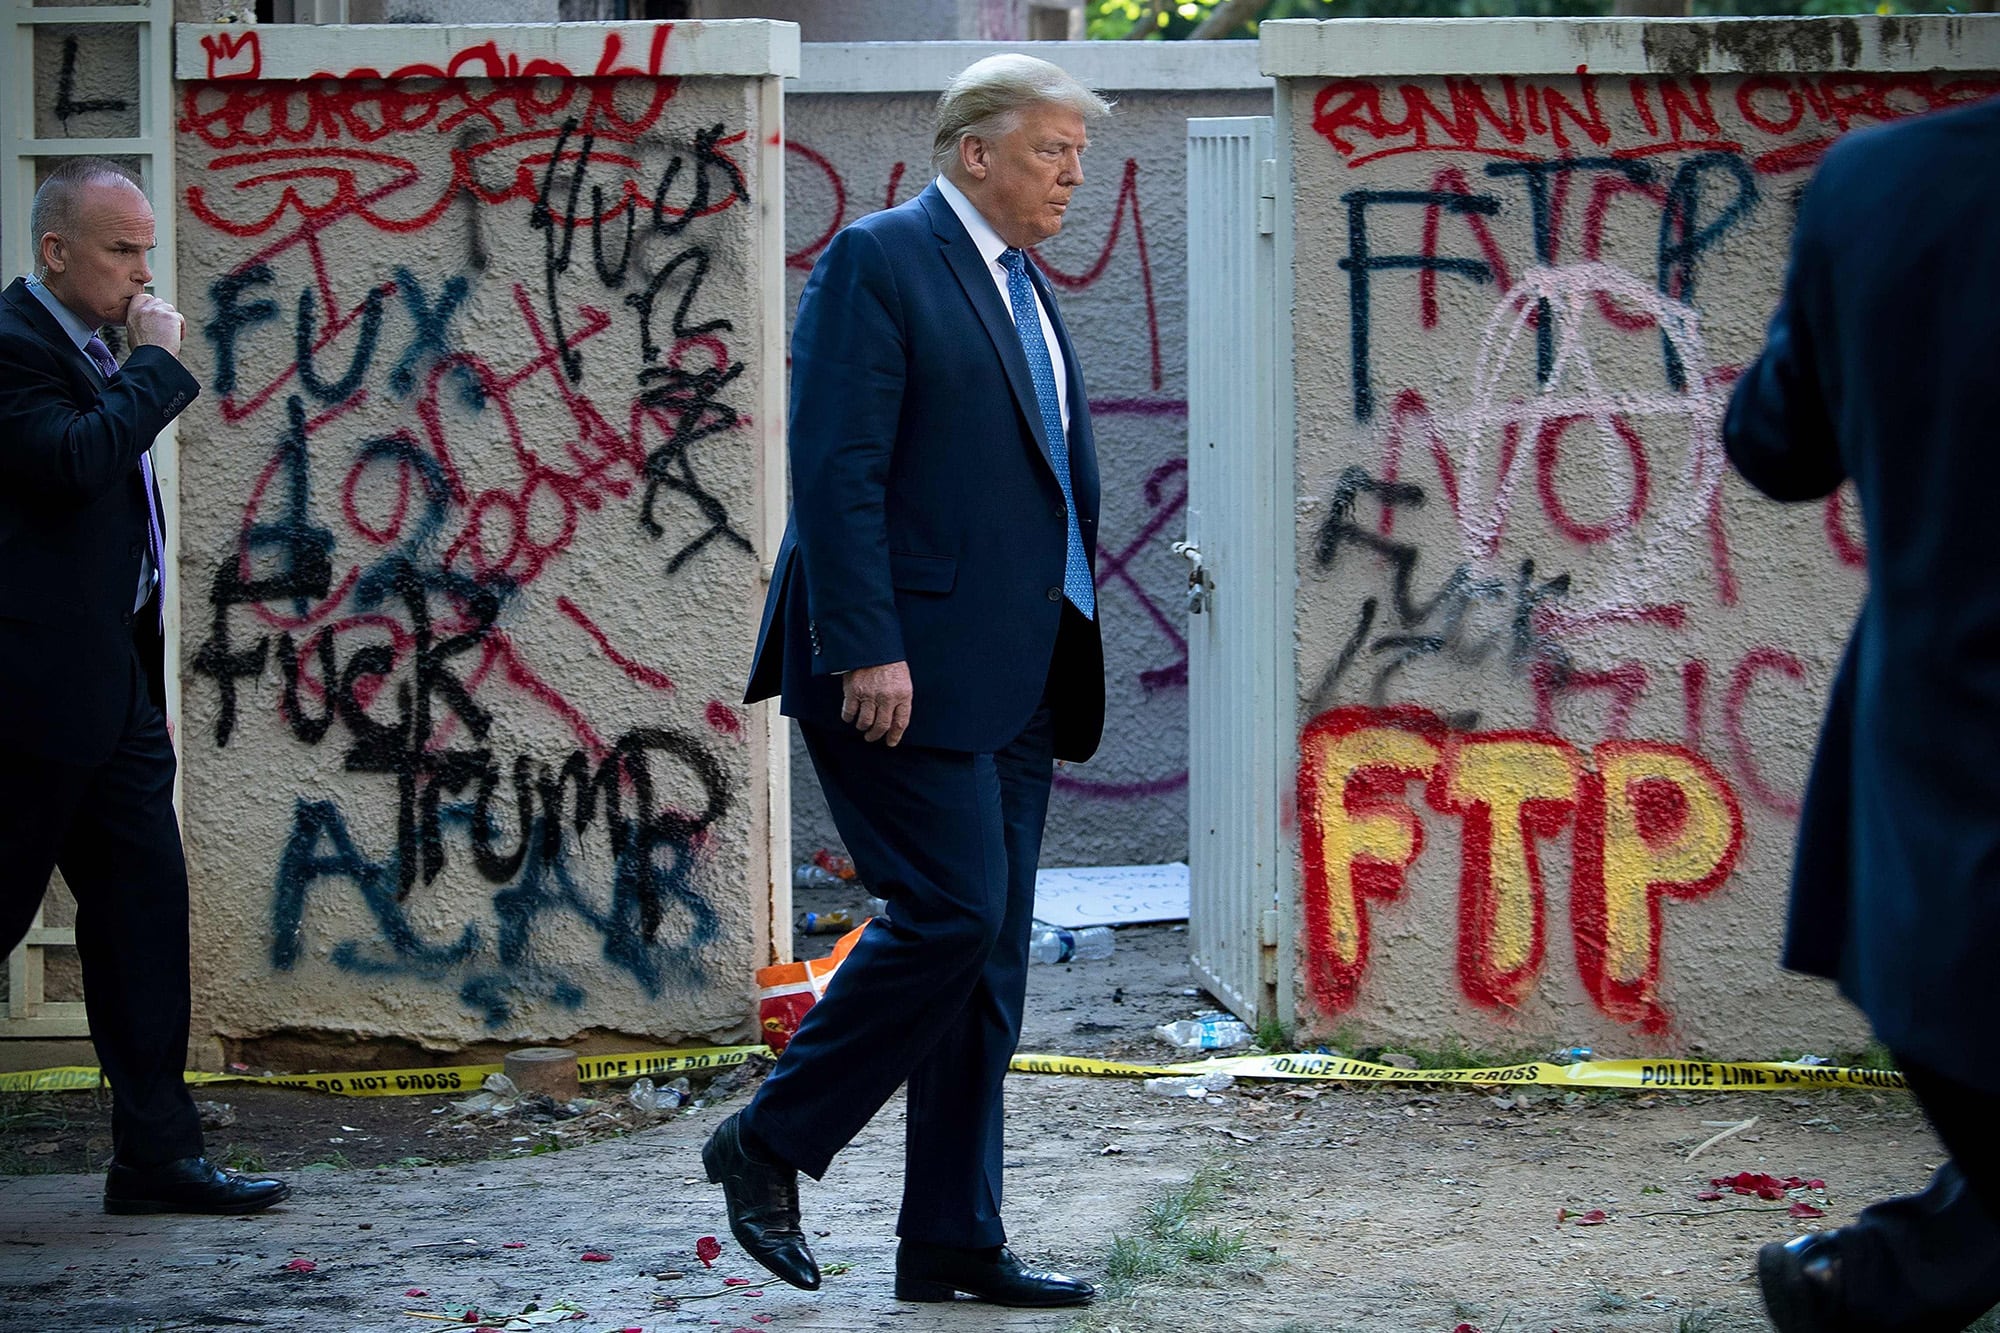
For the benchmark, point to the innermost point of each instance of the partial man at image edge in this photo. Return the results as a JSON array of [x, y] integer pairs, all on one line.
[[1880, 368], [86, 761], [932, 627]]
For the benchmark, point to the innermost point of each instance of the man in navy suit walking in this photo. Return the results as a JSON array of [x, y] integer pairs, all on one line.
[[932, 625], [86, 765], [1880, 367]]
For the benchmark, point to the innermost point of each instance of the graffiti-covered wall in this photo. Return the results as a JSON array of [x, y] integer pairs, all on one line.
[[473, 521], [1560, 670], [860, 122]]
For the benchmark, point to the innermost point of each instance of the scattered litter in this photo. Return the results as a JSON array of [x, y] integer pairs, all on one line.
[[1191, 1085], [42, 1149], [835, 1270], [1060, 944], [301, 1266], [497, 1096], [1728, 1128], [1397, 1060], [439, 1244], [1111, 1150], [670, 1275], [647, 1097], [533, 1317], [217, 1115], [708, 1249], [1209, 1030], [1572, 1055]]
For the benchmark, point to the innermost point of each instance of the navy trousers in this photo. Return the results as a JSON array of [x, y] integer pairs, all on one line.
[[1930, 1262], [110, 828], [932, 993]]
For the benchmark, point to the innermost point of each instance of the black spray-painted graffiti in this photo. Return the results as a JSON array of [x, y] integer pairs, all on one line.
[[390, 615]]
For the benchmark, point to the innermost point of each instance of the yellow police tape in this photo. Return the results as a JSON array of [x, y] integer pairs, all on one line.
[[1646, 1075], [412, 1082], [1642, 1075]]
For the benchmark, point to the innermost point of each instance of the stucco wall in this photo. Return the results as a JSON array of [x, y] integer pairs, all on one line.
[[473, 524], [859, 122], [1560, 671]]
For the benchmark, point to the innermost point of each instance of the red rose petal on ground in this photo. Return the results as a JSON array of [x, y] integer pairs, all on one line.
[[1465, 1328], [594, 1257], [1804, 1209], [707, 1249], [1710, 1196], [301, 1266], [416, 1291], [1596, 1217], [736, 1282], [761, 1318], [513, 1244], [1815, 1184]]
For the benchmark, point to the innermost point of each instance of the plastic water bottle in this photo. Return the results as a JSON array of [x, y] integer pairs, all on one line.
[[810, 876], [1191, 1085], [1058, 944], [1204, 1032], [829, 923], [666, 1097]]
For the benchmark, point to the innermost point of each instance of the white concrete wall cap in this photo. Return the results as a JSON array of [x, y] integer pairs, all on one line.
[[1114, 67], [729, 48], [1374, 48]]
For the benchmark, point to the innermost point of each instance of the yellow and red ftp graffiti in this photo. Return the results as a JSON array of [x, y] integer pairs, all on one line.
[[1650, 821]]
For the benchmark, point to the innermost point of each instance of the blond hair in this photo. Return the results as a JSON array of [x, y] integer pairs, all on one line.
[[988, 97]]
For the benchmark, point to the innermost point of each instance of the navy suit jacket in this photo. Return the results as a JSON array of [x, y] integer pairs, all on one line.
[[73, 533], [927, 522], [1883, 365]]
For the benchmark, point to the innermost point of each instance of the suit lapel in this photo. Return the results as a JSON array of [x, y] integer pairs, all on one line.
[[35, 315], [961, 256]]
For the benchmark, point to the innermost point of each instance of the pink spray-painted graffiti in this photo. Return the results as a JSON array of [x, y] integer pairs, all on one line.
[[449, 452], [1541, 523]]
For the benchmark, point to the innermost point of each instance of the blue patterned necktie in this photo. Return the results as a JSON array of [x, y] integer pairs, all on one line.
[[1028, 327], [99, 353]]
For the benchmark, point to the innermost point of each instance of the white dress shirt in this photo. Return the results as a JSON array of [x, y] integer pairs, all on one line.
[[990, 249], [81, 333]]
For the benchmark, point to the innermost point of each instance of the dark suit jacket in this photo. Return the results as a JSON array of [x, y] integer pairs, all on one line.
[[72, 532], [1883, 364], [927, 522]]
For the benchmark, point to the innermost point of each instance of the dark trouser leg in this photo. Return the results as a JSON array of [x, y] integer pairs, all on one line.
[[925, 830], [38, 798], [951, 1180], [1931, 1261], [122, 859]]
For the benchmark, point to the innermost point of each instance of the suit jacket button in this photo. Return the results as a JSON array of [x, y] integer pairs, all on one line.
[[1055, 594]]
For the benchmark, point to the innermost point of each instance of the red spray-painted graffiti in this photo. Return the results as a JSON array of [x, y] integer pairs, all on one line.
[[1651, 821], [548, 408]]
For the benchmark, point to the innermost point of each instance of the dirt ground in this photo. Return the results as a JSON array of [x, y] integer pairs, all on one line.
[[1274, 1207]]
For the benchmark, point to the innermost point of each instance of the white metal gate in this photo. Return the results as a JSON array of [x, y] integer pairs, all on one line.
[[150, 24], [1239, 547]]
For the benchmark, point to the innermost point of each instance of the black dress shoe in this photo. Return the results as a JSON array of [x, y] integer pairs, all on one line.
[[763, 1201], [1801, 1282], [940, 1272], [188, 1185]]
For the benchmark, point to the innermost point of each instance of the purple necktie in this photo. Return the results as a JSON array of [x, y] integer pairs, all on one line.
[[107, 366]]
